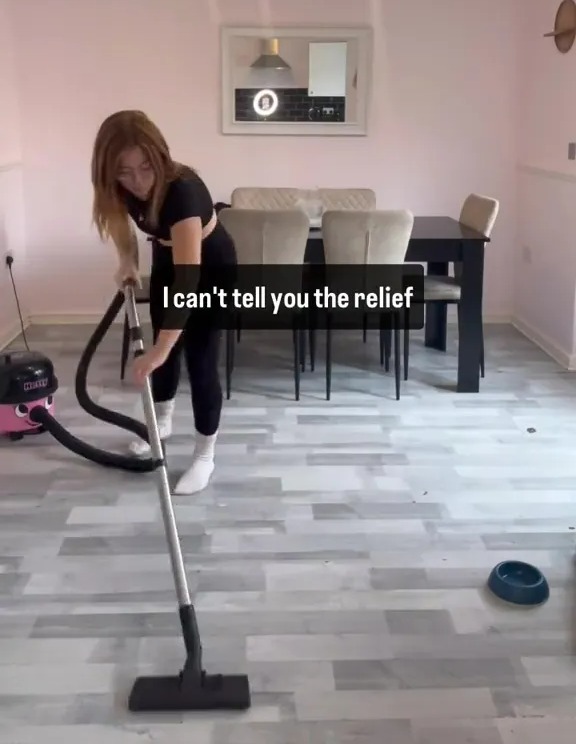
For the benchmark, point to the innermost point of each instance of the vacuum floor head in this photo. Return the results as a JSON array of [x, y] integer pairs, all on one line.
[[216, 692]]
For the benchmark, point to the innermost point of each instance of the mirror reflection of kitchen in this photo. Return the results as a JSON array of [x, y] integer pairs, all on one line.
[[294, 79]]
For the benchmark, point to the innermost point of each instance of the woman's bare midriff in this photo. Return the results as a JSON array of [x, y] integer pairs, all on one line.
[[206, 231]]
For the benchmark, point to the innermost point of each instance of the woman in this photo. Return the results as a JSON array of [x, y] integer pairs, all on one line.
[[135, 178]]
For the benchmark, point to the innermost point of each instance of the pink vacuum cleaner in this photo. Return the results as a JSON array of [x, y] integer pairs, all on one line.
[[27, 381]]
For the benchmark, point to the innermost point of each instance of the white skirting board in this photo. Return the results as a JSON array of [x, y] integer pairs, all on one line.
[[8, 334], [143, 314], [566, 360], [83, 319], [11, 332]]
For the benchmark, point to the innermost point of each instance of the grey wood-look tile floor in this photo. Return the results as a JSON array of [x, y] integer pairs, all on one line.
[[339, 556]]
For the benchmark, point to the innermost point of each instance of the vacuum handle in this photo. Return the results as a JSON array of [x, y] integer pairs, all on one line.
[[129, 289]]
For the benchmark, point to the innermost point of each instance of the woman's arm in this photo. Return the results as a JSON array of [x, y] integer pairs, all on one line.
[[126, 242], [186, 237]]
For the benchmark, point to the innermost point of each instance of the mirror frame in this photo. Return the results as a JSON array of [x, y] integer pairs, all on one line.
[[358, 128]]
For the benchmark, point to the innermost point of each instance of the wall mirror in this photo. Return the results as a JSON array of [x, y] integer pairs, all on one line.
[[296, 81]]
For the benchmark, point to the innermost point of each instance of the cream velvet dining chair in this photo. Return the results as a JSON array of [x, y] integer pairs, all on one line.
[[362, 238], [479, 213], [266, 237]]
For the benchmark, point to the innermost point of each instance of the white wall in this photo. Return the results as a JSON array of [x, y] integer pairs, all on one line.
[[545, 259]]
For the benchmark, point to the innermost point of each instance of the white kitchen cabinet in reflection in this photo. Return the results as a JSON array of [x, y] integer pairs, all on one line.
[[327, 68]]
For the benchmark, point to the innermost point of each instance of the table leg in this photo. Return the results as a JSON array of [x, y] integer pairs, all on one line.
[[470, 318], [436, 314]]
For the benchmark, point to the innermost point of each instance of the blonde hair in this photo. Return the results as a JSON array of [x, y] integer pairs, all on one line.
[[120, 131]]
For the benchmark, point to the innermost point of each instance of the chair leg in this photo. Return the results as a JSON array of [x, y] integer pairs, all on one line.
[[364, 327], [302, 352], [229, 360], [297, 346], [328, 359], [406, 348], [125, 347], [397, 374], [312, 344], [406, 351], [385, 344]]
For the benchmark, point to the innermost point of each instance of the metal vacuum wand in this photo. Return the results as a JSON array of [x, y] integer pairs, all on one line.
[[193, 688], [158, 453]]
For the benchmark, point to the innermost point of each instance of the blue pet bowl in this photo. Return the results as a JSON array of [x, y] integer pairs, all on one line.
[[519, 583]]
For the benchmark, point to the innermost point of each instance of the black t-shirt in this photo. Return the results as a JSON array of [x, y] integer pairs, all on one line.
[[186, 196]]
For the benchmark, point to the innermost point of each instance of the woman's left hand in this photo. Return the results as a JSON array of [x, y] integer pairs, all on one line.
[[146, 364]]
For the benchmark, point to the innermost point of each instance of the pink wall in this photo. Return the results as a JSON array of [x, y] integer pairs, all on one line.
[[545, 260], [441, 125], [547, 104], [11, 217], [10, 126]]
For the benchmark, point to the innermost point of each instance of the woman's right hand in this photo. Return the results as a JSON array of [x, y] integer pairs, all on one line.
[[127, 273]]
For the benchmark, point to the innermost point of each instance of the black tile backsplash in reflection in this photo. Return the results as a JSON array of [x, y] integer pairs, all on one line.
[[294, 104]]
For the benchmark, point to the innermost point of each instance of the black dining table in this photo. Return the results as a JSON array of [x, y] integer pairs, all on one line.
[[438, 241]]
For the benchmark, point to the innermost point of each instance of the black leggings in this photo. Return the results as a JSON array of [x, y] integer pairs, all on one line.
[[200, 341], [201, 347]]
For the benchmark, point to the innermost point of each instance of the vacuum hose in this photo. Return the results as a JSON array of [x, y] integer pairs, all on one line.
[[40, 415]]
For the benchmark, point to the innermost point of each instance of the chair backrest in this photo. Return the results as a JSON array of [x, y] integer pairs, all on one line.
[[267, 236], [367, 236], [479, 213], [340, 199], [264, 197], [268, 197]]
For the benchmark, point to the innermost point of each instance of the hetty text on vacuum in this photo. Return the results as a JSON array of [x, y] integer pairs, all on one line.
[[35, 384]]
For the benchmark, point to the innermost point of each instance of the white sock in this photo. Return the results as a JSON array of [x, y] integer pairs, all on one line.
[[164, 411], [197, 477]]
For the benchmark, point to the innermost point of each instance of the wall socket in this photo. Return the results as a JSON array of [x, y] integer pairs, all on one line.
[[572, 151]]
